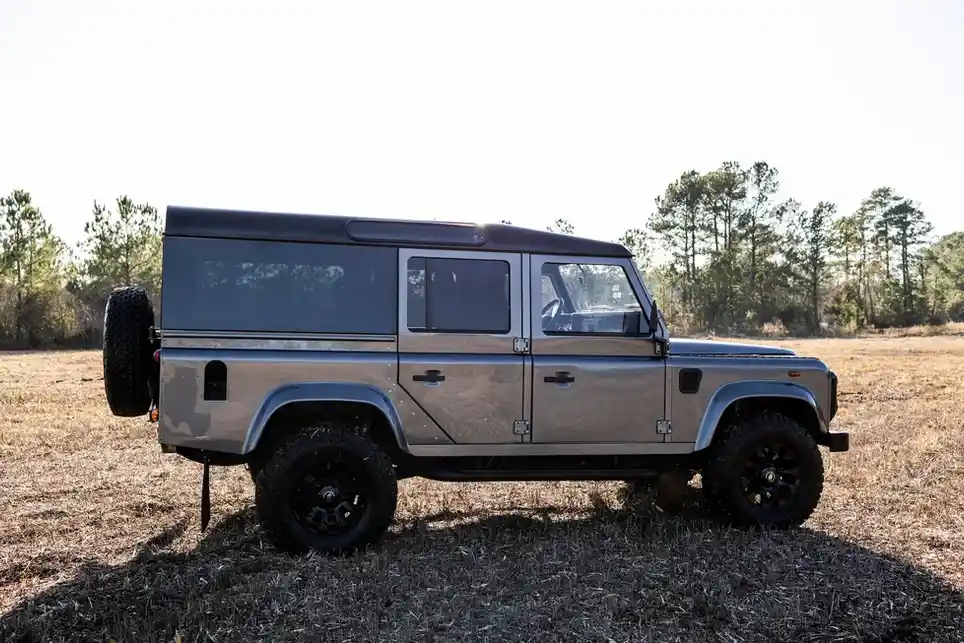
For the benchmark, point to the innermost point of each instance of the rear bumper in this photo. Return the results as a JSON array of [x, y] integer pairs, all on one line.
[[836, 440]]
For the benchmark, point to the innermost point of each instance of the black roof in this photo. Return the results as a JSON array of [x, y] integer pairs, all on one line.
[[317, 228]]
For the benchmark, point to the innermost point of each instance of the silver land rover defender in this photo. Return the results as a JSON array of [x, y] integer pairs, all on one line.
[[334, 356]]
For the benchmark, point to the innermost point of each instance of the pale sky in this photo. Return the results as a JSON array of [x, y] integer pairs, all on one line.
[[475, 111]]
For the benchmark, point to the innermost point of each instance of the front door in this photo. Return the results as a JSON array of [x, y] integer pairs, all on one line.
[[459, 313], [597, 377]]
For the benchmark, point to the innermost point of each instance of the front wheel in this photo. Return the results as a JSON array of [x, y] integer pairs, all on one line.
[[329, 490], [766, 471]]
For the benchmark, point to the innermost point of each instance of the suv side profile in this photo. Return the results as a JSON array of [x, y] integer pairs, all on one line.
[[335, 356]]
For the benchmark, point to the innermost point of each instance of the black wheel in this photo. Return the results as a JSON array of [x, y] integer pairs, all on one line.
[[130, 371], [764, 471], [328, 489]]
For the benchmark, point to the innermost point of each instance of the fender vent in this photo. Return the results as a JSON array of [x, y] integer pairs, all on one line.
[[215, 381], [689, 380]]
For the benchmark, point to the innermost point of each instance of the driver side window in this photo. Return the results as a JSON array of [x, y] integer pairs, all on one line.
[[588, 299]]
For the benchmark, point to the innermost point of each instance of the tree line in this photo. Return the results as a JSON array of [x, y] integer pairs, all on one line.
[[740, 259], [719, 250], [53, 295]]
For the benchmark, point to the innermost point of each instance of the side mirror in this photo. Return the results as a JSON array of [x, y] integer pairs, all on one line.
[[662, 345]]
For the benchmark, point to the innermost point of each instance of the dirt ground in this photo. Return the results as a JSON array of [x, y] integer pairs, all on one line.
[[99, 537]]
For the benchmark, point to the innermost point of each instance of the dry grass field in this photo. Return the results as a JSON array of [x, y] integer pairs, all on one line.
[[99, 537]]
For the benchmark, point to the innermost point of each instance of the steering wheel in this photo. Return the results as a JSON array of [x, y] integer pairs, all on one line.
[[550, 310]]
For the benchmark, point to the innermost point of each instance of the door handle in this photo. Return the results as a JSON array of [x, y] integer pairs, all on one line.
[[561, 377], [431, 376]]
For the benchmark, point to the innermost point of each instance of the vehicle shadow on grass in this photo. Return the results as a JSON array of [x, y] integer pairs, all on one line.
[[534, 573]]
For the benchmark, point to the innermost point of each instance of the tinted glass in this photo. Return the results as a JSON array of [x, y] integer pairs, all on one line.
[[235, 285], [458, 295]]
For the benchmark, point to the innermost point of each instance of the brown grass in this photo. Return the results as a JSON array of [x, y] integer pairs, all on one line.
[[99, 536]]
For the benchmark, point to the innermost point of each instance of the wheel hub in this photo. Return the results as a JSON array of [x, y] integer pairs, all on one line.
[[769, 475], [330, 498], [329, 494]]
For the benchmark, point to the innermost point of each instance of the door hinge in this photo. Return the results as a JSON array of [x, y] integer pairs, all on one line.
[[520, 345], [664, 427], [520, 427]]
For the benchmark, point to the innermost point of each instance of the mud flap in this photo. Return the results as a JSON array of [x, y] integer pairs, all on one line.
[[205, 495]]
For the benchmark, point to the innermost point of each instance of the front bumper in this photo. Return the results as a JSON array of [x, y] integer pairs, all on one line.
[[835, 440]]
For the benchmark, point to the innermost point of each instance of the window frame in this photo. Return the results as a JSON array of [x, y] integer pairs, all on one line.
[[431, 255], [637, 289]]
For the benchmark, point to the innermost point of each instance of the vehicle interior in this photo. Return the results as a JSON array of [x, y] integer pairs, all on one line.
[[589, 299]]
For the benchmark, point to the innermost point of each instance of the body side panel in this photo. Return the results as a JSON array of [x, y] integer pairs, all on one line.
[[727, 379], [318, 342], [480, 398], [419, 428], [612, 399], [186, 419], [327, 391]]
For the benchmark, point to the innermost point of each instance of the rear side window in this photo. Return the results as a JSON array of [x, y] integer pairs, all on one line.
[[239, 285], [458, 295]]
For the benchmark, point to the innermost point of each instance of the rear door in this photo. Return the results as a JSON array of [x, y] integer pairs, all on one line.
[[459, 315]]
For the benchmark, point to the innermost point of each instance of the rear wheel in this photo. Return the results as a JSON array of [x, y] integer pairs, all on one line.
[[130, 372], [329, 489], [764, 471]]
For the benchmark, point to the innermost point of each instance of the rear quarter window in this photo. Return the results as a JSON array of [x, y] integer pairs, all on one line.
[[269, 286]]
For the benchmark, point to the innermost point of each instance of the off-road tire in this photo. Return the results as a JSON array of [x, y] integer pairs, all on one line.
[[722, 474], [129, 367], [276, 478]]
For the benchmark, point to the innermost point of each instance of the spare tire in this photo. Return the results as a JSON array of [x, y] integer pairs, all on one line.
[[129, 366]]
